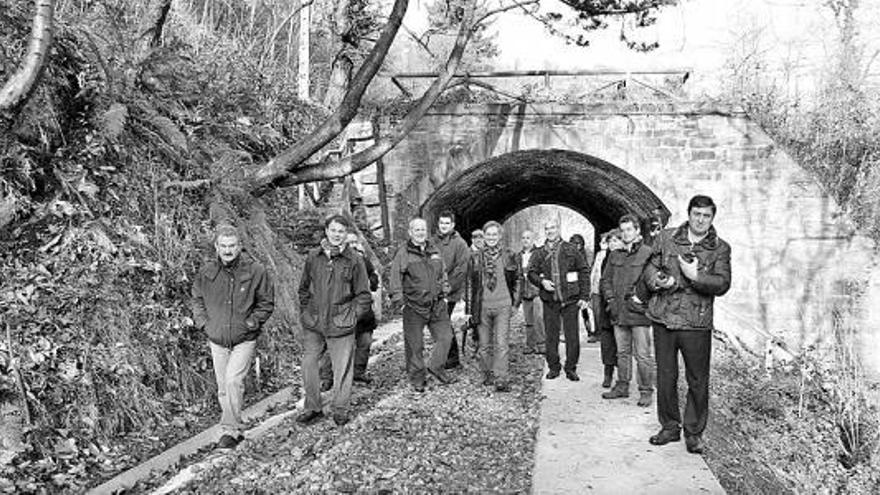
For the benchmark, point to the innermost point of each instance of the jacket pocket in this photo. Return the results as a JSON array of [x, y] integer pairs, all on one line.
[[345, 317]]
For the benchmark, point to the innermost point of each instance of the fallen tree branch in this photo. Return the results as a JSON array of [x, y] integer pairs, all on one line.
[[19, 87], [264, 177], [187, 185], [358, 161]]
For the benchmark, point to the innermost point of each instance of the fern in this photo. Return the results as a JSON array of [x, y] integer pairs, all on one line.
[[112, 122]]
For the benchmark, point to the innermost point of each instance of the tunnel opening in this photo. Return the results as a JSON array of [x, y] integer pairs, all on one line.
[[504, 185]]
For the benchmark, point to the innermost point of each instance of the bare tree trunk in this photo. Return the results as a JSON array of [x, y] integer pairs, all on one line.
[[151, 29], [358, 161], [21, 85], [264, 177], [340, 73]]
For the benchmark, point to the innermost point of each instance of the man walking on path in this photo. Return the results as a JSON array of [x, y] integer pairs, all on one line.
[[495, 292], [532, 308], [456, 255], [418, 280], [334, 294], [363, 332], [632, 330], [688, 268], [562, 276], [232, 297]]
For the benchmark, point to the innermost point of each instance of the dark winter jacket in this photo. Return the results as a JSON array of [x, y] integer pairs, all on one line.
[[232, 302], [574, 273], [688, 304], [333, 293], [418, 277], [528, 290], [456, 254], [622, 272], [367, 321], [475, 272]]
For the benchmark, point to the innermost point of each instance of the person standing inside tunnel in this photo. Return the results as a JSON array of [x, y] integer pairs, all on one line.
[[456, 255], [632, 329], [533, 313], [581, 244], [418, 281], [562, 276], [334, 294], [232, 297], [610, 241], [689, 267], [494, 293]]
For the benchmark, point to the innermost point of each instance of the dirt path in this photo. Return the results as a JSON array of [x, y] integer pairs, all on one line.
[[587, 444]]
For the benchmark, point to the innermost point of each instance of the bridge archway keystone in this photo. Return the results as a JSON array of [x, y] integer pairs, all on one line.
[[503, 185]]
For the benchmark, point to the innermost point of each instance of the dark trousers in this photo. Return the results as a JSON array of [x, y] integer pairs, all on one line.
[[605, 331], [414, 341], [453, 360], [696, 350], [363, 341], [564, 318]]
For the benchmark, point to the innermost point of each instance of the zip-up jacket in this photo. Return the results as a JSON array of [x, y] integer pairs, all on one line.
[[232, 302], [418, 277], [622, 273], [456, 254], [334, 293], [574, 273], [688, 304]]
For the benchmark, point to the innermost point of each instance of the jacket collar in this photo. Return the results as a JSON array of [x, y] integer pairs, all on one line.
[[412, 248], [242, 263], [447, 238], [634, 245], [710, 242]]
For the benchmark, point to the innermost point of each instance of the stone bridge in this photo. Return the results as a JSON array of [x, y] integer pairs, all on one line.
[[799, 268]]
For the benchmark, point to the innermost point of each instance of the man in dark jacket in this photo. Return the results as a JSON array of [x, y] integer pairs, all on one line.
[[334, 294], [232, 297], [689, 267], [562, 276], [533, 314], [632, 329], [456, 254], [418, 281], [494, 293], [367, 322]]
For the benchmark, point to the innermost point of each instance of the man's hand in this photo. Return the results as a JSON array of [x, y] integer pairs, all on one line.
[[548, 285], [688, 269], [583, 304]]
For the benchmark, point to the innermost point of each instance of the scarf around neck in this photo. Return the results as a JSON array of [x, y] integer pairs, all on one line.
[[490, 255]]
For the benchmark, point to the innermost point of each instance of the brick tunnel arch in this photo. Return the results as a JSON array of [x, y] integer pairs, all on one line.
[[506, 184]]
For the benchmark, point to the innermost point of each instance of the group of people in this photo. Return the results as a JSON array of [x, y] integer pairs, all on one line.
[[638, 299]]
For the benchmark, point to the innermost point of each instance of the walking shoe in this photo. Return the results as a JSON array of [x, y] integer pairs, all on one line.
[[502, 387], [340, 419], [552, 374], [645, 399], [664, 437], [487, 379], [571, 375], [309, 417], [592, 339], [365, 379], [229, 441], [442, 376], [619, 391], [694, 444], [419, 387]]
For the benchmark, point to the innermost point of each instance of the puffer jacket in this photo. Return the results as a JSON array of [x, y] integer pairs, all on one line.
[[418, 277], [622, 274], [574, 272], [688, 304], [476, 270], [232, 303], [334, 293], [456, 254]]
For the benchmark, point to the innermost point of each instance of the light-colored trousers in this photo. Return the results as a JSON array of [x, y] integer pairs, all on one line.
[[231, 367]]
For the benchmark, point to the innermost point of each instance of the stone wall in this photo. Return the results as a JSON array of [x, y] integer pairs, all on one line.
[[795, 258]]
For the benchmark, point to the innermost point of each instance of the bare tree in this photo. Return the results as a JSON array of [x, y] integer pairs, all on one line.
[[21, 85]]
